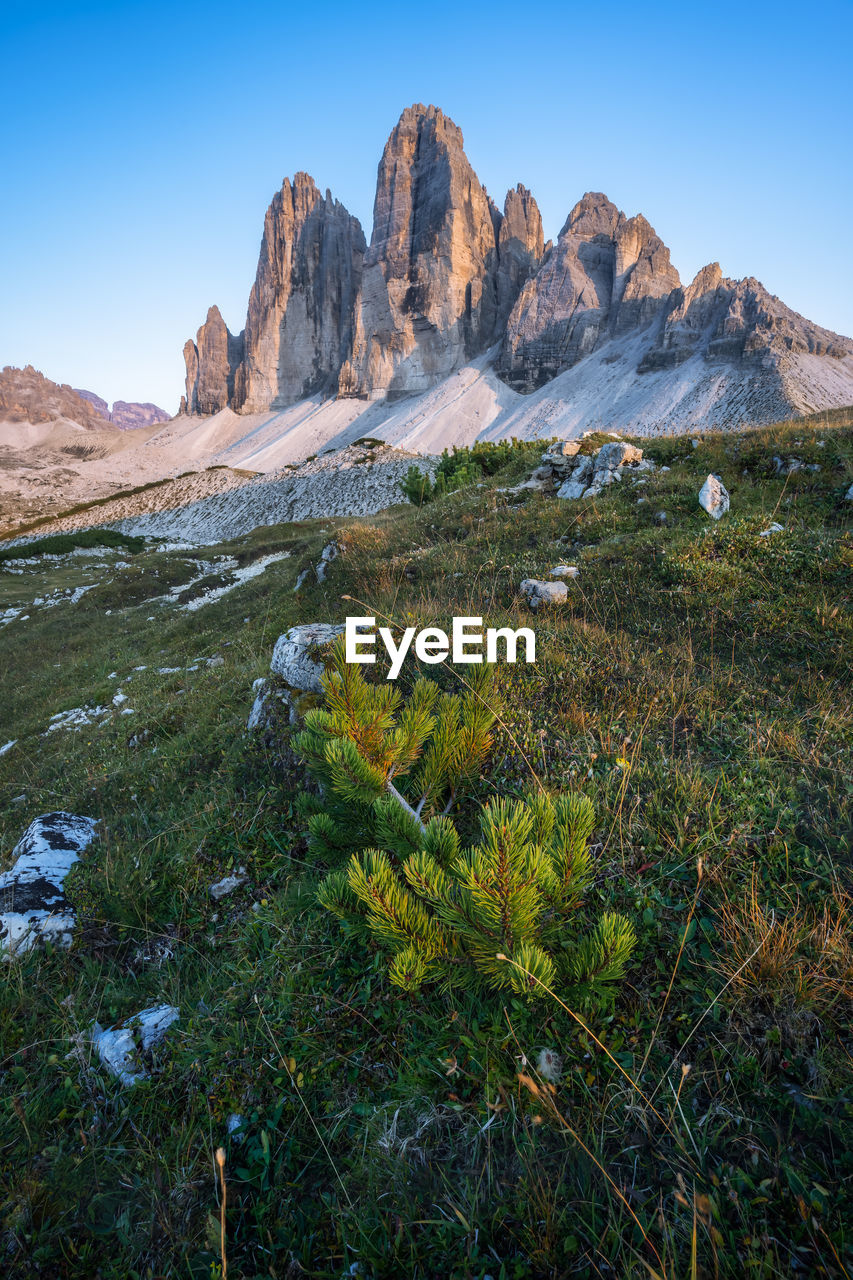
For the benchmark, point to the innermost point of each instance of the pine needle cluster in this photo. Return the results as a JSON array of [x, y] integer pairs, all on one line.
[[386, 765], [504, 915]]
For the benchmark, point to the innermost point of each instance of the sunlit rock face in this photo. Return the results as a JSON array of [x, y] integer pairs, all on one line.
[[434, 291]]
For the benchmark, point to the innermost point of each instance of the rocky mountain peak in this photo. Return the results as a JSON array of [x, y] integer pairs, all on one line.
[[608, 274], [448, 274], [593, 215], [434, 293]]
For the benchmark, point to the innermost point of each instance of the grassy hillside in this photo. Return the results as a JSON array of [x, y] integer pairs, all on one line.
[[696, 687]]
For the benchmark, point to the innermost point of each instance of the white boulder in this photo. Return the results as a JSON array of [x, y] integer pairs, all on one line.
[[293, 660], [119, 1047], [714, 498], [33, 906]]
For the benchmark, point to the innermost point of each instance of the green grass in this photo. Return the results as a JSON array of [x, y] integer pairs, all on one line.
[[696, 686], [59, 544]]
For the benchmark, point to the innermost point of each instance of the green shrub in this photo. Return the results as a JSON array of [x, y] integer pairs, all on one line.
[[385, 767], [60, 544], [466, 466], [502, 915]]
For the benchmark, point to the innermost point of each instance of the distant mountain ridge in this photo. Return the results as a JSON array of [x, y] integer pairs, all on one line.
[[26, 395], [127, 415], [448, 276]]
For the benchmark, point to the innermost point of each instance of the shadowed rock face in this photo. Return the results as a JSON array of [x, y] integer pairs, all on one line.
[[299, 325], [433, 293], [521, 245], [212, 362], [607, 275]]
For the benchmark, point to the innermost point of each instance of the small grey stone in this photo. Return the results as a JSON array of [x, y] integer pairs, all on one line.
[[616, 454], [571, 489], [538, 593]]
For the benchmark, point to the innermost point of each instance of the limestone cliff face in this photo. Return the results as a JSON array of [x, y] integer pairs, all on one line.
[[448, 275], [521, 246], [735, 321], [212, 362], [607, 275], [299, 322], [299, 325], [433, 292]]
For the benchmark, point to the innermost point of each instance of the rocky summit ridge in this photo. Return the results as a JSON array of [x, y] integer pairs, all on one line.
[[448, 276]]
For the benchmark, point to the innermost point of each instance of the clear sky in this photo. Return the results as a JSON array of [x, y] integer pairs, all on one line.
[[142, 143]]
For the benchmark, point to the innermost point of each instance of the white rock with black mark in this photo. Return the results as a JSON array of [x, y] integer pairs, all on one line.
[[714, 498], [119, 1047], [33, 906]]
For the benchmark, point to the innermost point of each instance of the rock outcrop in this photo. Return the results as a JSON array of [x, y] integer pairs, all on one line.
[[735, 320], [212, 362], [429, 293], [299, 322], [521, 247], [299, 325], [127, 415], [606, 276], [28, 396]]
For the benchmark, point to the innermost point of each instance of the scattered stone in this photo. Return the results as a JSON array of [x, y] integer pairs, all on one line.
[[77, 718], [292, 658], [35, 909], [564, 571], [617, 454], [661, 517], [302, 579], [773, 528], [848, 497], [119, 1047], [571, 489], [714, 498], [216, 662], [559, 455], [7, 746], [328, 554], [539, 593], [228, 884]]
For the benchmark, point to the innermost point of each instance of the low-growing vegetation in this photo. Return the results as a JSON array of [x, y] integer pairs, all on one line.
[[463, 466], [679, 754], [60, 544]]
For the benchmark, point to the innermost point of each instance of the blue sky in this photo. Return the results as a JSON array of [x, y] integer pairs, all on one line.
[[143, 142]]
